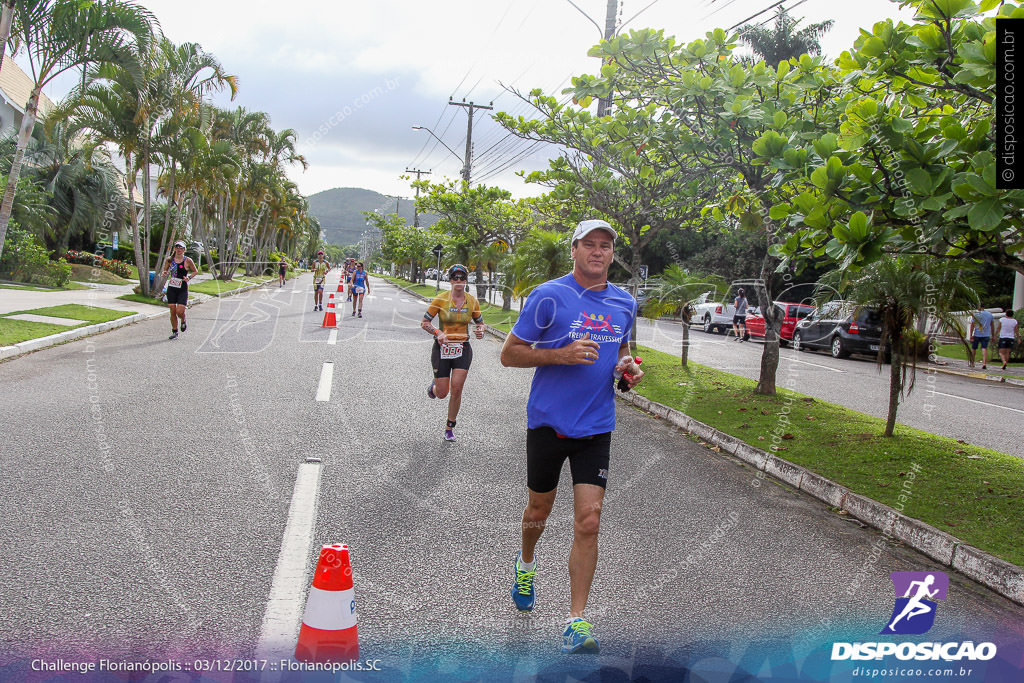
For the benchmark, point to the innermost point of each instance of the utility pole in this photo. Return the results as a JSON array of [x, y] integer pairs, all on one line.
[[605, 103], [467, 168], [415, 208]]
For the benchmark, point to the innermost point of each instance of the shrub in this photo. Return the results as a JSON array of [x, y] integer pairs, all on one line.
[[24, 260], [116, 267]]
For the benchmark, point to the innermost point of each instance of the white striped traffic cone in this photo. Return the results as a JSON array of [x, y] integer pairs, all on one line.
[[328, 632]]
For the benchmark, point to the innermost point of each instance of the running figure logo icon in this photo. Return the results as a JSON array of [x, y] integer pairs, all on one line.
[[916, 593]]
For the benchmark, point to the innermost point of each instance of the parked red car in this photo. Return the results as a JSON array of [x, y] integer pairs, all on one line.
[[791, 314]]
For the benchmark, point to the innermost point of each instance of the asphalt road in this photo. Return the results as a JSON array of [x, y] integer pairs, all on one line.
[[146, 485], [982, 413]]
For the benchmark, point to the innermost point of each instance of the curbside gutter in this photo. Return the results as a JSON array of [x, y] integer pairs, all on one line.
[[30, 345], [1002, 577]]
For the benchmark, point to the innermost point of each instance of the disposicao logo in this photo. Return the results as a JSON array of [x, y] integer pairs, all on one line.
[[914, 614], [916, 593]]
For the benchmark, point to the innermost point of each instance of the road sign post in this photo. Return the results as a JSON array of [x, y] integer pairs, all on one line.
[[439, 249]]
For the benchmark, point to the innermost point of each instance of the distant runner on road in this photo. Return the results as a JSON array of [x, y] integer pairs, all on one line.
[[451, 355], [360, 287], [575, 331], [282, 269], [181, 269], [320, 267]]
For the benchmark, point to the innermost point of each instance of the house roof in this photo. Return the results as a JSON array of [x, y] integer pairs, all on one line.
[[16, 86]]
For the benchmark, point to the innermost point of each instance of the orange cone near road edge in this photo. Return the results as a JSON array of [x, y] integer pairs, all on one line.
[[328, 632], [341, 285], [330, 320]]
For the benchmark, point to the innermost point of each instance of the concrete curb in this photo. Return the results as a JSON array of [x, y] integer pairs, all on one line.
[[28, 346], [976, 375], [1003, 577]]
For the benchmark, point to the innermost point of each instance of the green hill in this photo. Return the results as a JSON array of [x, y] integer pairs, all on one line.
[[340, 211]]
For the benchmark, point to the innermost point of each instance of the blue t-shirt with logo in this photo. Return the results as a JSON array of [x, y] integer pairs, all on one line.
[[982, 323], [575, 400]]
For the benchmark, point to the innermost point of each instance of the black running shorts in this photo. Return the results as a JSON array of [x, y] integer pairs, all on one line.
[[178, 295], [546, 453], [443, 366]]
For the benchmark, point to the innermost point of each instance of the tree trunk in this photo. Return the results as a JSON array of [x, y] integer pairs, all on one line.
[[684, 355], [6, 18], [766, 385], [141, 264], [28, 122], [895, 387]]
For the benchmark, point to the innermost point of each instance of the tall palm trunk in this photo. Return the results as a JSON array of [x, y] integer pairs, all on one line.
[[895, 388], [141, 259], [6, 18], [684, 354], [28, 122]]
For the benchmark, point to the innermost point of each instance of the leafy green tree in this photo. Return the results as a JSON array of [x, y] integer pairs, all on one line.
[[675, 291], [783, 42], [62, 35], [911, 167], [722, 117], [902, 289]]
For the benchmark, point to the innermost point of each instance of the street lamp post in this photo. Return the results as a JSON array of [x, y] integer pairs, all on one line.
[[465, 162]]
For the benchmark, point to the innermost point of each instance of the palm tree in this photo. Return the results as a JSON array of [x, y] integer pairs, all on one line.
[[6, 19], [83, 184], [782, 42], [540, 256], [61, 35], [673, 295], [903, 288]]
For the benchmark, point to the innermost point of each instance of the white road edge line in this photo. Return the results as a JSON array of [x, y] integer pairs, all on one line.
[[282, 618], [332, 338], [984, 403], [323, 392]]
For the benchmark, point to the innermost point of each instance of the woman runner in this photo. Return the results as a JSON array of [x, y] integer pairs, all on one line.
[[182, 269], [360, 286], [451, 354], [282, 269]]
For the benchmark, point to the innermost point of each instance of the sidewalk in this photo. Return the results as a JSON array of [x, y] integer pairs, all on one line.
[[99, 296], [954, 366]]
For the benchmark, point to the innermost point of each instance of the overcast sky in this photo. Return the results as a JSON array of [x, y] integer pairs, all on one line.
[[367, 72]]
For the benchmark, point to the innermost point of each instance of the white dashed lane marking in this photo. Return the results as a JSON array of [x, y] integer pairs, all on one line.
[[323, 392]]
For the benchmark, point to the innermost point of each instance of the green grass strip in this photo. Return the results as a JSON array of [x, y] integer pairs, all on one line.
[[957, 351], [16, 331], [77, 312], [215, 287], [70, 286], [973, 493], [138, 298]]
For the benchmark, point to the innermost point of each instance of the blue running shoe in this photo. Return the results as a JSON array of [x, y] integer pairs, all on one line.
[[430, 391], [522, 589], [576, 639]]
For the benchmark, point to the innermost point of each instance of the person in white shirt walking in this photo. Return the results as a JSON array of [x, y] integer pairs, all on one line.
[[1008, 330]]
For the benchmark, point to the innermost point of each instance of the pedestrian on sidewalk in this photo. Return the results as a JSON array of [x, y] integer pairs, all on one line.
[[1008, 331], [575, 330], [182, 270], [739, 318], [282, 269], [981, 333]]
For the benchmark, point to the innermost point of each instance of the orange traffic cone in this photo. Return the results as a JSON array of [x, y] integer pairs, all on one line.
[[328, 632], [330, 320], [341, 286]]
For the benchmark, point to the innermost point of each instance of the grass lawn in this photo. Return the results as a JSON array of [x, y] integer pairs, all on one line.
[[215, 287], [143, 299], [957, 351], [973, 493], [15, 331], [84, 273], [37, 288], [493, 315]]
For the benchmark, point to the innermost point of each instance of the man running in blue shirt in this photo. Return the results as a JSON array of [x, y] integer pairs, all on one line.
[[575, 331]]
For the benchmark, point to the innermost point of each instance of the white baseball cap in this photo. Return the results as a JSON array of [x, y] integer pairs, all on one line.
[[586, 227]]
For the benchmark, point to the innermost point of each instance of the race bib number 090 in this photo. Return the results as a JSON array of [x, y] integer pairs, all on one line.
[[449, 351]]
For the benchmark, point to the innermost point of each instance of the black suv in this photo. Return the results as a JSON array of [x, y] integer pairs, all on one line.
[[842, 327]]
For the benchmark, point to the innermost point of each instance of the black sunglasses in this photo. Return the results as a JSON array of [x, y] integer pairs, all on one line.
[[458, 277]]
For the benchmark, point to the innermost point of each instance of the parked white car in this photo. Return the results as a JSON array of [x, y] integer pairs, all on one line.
[[712, 315]]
